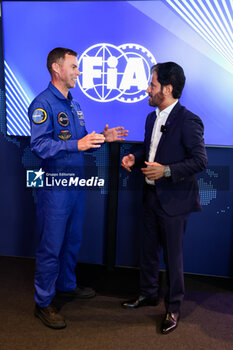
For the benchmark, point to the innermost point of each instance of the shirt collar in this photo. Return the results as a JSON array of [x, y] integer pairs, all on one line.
[[167, 110], [58, 94]]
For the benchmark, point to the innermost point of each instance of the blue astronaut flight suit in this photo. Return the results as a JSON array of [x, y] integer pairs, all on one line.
[[56, 125]]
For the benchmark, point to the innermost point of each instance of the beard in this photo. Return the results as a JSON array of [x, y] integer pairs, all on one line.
[[157, 99]]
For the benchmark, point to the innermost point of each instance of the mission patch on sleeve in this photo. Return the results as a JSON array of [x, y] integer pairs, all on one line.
[[39, 116]]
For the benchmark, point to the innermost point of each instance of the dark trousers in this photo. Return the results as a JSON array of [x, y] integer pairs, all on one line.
[[162, 231]]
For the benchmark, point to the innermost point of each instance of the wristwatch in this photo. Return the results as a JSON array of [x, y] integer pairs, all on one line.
[[167, 171]]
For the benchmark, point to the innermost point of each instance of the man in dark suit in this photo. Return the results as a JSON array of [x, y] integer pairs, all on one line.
[[172, 152]]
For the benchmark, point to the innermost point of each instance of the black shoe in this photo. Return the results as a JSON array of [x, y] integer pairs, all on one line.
[[78, 292], [140, 301], [170, 322], [50, 317]]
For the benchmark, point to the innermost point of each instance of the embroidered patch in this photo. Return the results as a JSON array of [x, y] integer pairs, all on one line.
[[63, 119], [39, 116], [80, 115], [82, 122], [64, 135]]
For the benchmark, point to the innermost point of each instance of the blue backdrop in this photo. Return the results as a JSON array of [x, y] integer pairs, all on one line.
[[208, 243], [196, 36]]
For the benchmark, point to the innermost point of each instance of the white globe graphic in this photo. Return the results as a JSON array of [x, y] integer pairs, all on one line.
[[110, 72], [111, 56]]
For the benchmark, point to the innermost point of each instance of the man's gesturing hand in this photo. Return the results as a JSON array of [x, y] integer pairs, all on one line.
[[128, 161], [115, 134], [154, 170], [92, 140]]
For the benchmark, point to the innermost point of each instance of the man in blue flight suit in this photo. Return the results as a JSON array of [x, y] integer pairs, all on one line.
[[59, 137]]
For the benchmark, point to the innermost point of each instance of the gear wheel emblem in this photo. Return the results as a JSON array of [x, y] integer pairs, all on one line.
[[134, 50], [110, 72]]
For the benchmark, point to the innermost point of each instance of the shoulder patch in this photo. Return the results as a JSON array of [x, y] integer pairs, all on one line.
[[39, 116]]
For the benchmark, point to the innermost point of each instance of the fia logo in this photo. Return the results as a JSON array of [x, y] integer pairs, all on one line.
[[35, 178], [110, 72]]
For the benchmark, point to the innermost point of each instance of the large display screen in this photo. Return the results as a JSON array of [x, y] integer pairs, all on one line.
[[118, 42]]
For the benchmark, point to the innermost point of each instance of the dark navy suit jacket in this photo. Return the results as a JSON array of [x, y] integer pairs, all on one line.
[[182, 148]]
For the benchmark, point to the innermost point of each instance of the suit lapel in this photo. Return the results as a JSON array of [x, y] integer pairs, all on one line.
[[151, 125], [149, 132], [170, 120]]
